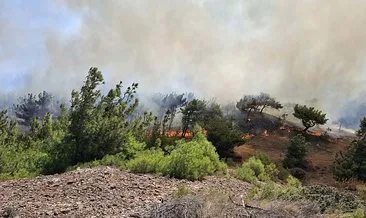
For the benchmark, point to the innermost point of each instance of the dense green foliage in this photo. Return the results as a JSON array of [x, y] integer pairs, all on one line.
[[195, 159], [352, 163], [187, 160], [223, 134], [296, 152], [309, 116], [254, 169], [362, 131], [106, 129], [191, 114], [100, 125], [149, 161], [93, 127]]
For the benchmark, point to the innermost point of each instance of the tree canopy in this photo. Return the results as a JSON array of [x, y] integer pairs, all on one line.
[[33, 106], [309, 116], [257, 103]]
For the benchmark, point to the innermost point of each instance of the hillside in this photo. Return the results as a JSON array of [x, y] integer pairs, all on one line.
[[321, 149], [100, 192]]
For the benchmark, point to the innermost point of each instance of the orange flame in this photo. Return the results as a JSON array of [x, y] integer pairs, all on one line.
[[316, 133], [247, 136], [286, 128], [178, 133]]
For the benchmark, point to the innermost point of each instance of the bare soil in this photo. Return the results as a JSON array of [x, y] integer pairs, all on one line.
[[99, 192]]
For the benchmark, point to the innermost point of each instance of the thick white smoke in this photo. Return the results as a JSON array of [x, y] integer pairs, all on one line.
[[295, 50]]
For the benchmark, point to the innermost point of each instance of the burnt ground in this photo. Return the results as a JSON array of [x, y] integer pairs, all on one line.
[[99, 192], [320, 156]]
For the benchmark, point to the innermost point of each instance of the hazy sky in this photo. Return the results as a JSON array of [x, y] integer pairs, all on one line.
[[294, 49]]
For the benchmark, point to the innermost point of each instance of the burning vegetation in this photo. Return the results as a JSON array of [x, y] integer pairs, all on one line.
[[111, 129]]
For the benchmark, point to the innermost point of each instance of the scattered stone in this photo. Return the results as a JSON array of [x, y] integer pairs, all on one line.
[[99, 192]]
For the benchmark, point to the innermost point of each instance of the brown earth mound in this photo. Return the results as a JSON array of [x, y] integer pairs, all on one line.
[[99, 192]]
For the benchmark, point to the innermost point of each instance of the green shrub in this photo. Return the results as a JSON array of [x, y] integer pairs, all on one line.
[[150, 161], [117, 160], [283, 173], [21, 163], [246, 174], [253, 170], [193, 160], [263, 157], [296, 152], [298, 173], [270, 190], [330, 199], [229, 161], [272, 171], [359, 213]]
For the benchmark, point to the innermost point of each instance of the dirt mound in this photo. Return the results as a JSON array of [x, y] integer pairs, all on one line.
[[99, 192]]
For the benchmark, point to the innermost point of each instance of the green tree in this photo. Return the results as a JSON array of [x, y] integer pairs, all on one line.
[[247, 105], [265, 100], [257, 103], [344, 167], [296, 152], [362, 131], [33, 106], [224, 135], [309, 116], [192, 114], [100, 125], [352, 163]]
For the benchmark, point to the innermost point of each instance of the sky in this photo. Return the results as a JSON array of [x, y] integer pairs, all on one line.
[[296, 50]]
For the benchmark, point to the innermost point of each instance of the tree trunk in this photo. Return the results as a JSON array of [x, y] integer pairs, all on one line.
[[306, 128], [184, 131], [171, 121], [248, 113], [263, 108]]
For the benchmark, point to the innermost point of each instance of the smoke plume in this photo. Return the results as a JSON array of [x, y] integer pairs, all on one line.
[[293, 49]]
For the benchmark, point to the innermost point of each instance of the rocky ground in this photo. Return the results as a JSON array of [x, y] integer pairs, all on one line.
[[99, 192]]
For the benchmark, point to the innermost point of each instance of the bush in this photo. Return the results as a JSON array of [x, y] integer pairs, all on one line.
[[246, 174], [223, 135], [150, 161], [359, 213], [193, 160], [272, 171], [298, 173], [263, 157], [283, 173], [296, 153], [117, 160], [271, 190], [330, 199], [253, 170], [21, 163]]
